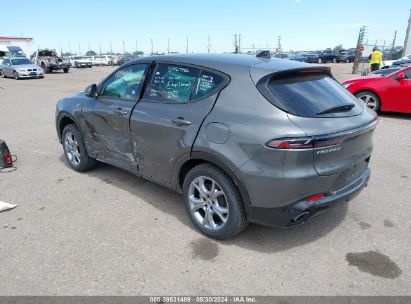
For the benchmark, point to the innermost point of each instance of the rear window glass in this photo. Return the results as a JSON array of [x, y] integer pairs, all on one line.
[[207, 83], [172, 83], [308, 95]]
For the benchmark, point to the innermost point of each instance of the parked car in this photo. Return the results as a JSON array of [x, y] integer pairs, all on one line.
[[297, 57], [124, 59], [20, 67], [387, 93], [102, 60], [80, 62], [401, 63], [346, 57], [244, 139], [50, 61], [389, 63], [325, 56]]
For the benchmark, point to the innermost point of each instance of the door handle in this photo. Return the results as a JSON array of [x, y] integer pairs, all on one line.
[[120, 111], [180, 121]]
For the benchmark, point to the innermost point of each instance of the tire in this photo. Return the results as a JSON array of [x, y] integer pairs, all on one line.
[[320, 60], [2, 74], [334, 60], [16, 76], [66, 70], [89, 66], [45, 68], [75, 149], [226, 205], [370, 99], [347, 60]]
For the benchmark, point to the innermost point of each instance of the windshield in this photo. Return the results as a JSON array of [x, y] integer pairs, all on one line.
[[385, 72], [21, 61], [15, 51]]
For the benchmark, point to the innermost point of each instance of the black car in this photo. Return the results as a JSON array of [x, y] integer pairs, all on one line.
[[325, 56], [346, 57], [127, 58]]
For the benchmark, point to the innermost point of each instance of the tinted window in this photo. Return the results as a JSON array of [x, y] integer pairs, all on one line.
[[408, 74], [172, 83], [21, 61], [307, 95], [207, 83], [125, 83]]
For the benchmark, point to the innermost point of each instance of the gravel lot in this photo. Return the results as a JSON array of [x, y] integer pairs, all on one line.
[[107, 232]]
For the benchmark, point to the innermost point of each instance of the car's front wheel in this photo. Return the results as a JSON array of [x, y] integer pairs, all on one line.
[[370, 99], [16, 76], [75, 149], [213, 202], [2, 74], [66, 70]]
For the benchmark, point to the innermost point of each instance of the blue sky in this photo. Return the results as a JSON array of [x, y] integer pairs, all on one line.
[[302, 24]]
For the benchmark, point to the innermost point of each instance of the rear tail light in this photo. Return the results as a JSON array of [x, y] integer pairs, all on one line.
[[306, 142], [290, 144], [315, 197]]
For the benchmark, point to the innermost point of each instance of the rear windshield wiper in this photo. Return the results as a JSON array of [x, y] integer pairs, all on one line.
[[342, 108]]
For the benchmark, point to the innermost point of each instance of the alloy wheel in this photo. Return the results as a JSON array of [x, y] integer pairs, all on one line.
[[369, 101], [72, 149], [208, 203]]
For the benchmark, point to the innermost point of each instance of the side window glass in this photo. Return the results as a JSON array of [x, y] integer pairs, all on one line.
[[125, 83], [408, 74], [171, 83], [207, 83]]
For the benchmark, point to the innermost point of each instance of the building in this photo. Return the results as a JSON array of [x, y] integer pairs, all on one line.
[[25, 43]]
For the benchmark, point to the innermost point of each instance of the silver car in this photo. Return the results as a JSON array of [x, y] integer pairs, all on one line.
[[20, 67]]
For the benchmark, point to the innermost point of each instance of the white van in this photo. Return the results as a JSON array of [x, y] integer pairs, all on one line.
[[11, 51]]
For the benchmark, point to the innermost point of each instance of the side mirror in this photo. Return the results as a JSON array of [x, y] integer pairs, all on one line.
[[400, 76], [91, 90]]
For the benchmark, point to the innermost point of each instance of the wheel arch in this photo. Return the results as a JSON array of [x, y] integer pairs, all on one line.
[[369, 90], [63, 120], [204, 157]]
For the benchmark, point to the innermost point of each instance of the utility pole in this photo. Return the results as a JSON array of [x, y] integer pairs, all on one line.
[[111, 49], [70, 49], [79, 50], [124, 48], [393, 42], [136, 46], [187, 46], [358, 50], [236, 47], [99, 47], [279, 44], [152, 46], [208, 44], [407, 42], [239, 43], [168, 45]]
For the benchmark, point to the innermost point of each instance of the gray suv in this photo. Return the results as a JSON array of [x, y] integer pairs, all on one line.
[[244, 139]]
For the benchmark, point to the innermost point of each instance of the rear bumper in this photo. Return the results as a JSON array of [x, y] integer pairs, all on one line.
[[303, 211]]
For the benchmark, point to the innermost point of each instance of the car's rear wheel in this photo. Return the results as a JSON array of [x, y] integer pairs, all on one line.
[[370, 99], [65, 70], [213, 202], [75, 149], [347, 60], [2, 74]]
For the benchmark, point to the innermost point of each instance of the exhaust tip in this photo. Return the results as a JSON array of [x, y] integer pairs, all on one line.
[[301, 217]]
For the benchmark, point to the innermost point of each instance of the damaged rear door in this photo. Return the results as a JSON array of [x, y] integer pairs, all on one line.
[[106, 118]]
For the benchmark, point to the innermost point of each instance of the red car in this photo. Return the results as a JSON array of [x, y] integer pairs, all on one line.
[[389, 93]]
